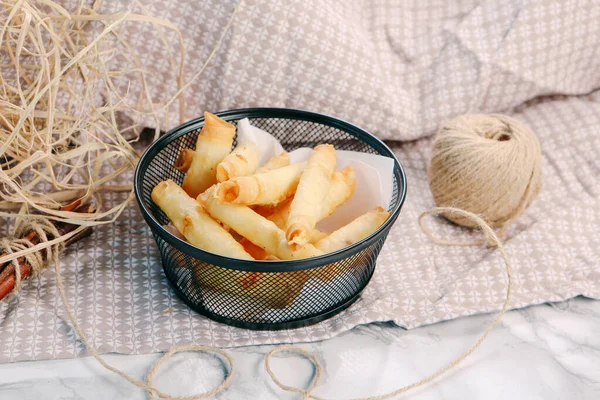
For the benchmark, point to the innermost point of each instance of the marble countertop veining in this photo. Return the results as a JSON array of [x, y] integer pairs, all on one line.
[[543, 352]]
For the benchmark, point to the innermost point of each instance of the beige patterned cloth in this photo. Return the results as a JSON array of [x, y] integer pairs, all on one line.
[[397, 69]]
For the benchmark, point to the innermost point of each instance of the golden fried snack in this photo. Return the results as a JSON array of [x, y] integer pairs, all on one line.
[[184, 160], [312, 189], [356, 230], [279, 294], [341, 189], [264, 188], [343, 183], [194, 223], [242, 161], [278, 161], [213, 145], [254, 227]]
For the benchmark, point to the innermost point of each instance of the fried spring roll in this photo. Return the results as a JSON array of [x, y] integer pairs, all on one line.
[[213, 145], [255, 227], [242, 161], [312, 190], [278, 161], [194, 223], [265, 188], [184, 160], [341, 189], [356, 230]]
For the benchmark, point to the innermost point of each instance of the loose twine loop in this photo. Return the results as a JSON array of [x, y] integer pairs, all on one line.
[[491, 238]]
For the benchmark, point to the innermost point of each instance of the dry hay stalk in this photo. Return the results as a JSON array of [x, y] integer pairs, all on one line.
[[59, 107]]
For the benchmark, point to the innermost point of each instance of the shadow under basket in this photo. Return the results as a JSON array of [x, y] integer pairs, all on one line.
[[266, 295]]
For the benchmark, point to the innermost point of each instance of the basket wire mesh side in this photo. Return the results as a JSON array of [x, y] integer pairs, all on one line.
[[274, 295]]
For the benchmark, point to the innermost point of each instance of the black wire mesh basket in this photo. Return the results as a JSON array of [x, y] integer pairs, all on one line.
[[266, 295]]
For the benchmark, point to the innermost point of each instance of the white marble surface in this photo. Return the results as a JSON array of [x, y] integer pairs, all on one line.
[[542, 352]]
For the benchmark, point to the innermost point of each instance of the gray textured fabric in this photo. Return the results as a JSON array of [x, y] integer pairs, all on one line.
[[397, 69]]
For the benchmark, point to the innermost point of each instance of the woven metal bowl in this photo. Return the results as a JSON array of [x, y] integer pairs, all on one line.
[[265, 294]]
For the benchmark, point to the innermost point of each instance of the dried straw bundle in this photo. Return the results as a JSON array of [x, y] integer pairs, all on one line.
[[60, 140]]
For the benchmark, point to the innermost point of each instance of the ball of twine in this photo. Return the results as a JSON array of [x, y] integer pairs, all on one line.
[[489, 165]]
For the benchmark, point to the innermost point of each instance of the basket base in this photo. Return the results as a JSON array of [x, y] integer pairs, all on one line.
[[293, 324]]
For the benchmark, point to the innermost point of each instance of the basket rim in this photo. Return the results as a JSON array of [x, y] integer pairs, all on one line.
[[267, 265]]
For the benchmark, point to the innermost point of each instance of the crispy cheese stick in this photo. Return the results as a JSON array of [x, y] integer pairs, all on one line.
[[194, 223], [254, 227], [343, 183], [278, 161], [281, 290], [356, 230], [341, 189], [312, 189], [264, 188], [280, 213], [213, 145], [184, 160], [242, 161]]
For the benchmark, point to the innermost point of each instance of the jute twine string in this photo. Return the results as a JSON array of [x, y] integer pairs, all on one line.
[[16, 244], [490, 237]]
